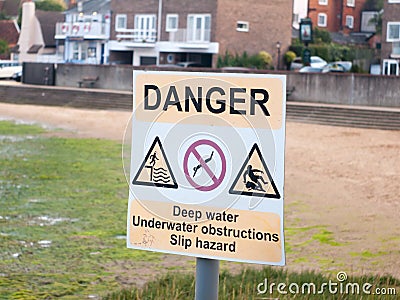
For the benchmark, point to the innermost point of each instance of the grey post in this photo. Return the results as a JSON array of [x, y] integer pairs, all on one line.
[[207, 279]]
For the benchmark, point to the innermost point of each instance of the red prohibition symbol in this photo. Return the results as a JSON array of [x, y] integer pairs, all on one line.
[[216, 179]]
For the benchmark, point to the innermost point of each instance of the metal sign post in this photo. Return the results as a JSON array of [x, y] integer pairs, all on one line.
[[207, 279]]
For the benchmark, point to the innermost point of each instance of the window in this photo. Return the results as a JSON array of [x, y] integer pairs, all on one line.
[[199, 28], [120, 22], [390, 67], [295, 18], [323, 2], [172, 22], [350, 21], [79, 51], [145, 28], [242, 26], [395, 49], [148, 60], [322, 20], [351, 3], [91, 52], [393, 32]]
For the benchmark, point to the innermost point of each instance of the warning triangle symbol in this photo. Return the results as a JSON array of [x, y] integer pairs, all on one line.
[[254, 178], [155, 169]]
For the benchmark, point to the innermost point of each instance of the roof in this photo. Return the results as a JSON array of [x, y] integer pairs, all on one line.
[[48, 20], [9, 32], [10, 7], [90, 6], [354, 38]]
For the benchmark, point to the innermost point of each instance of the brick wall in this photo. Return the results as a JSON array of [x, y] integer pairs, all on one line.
[[391, 14], [332, 9], [130, 8], [269, 22], [188, 7]]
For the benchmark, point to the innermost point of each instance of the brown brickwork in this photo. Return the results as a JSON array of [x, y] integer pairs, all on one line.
[[269, 22], [391, 14], [130, 8], [183, 8], [336, 12]]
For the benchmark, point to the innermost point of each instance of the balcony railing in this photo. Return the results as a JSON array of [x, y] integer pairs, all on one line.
[[82, 29], [137, 35], [190, 36]]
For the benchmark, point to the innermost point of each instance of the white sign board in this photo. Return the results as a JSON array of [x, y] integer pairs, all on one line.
[[207, 165]]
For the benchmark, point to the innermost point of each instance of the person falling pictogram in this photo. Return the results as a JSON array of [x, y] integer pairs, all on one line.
[[153, 158], [255, 182]]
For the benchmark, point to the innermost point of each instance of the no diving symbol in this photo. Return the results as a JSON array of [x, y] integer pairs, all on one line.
[[199, 157]]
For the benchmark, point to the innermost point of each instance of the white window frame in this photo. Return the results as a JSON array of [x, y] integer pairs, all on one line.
[[323, 2], [388, 31], [350, 22], [324, 24], [124, 19], [387, 63], [145, 28], [351, 3], [242, 26], [198, 32], [78, 51], [168, 19]]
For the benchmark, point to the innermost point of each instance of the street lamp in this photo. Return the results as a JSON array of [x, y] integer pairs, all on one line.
[[278, 47]]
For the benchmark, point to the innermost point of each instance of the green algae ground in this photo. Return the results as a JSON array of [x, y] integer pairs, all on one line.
[[63, 206]]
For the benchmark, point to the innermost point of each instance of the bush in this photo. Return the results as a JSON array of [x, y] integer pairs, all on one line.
[[261, 60], [321, 36], [332, 52], [288, 57], [3, 47], [266, 58]]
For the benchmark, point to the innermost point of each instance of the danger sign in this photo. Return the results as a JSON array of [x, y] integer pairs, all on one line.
[[207, 165]]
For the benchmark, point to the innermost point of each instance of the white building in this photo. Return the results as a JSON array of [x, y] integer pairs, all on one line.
[[85, 33]]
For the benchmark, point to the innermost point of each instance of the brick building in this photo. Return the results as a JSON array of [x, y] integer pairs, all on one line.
[[336, 16], [167, 32], [390, 53]]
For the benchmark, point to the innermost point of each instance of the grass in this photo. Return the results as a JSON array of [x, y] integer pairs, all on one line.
[[63, 206], [263, 284]]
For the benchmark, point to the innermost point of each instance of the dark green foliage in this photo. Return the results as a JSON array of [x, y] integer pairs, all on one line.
[[49, 5], [332, 52], [243, 60], [321, 36], [3, 47], [3, 16]]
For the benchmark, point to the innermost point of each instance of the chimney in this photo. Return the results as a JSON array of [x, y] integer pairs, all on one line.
[[31, 32]]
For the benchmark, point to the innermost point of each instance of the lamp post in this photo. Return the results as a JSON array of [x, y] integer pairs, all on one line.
[[278, 47]]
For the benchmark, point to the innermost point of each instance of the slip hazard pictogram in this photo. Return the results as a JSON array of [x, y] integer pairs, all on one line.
[[254, 178], [204, 165], [155, 169]]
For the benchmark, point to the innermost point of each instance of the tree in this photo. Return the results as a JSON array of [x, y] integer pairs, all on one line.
[[46, 5], [377, 21], [3, 47], [3, 16], [50, 5]]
